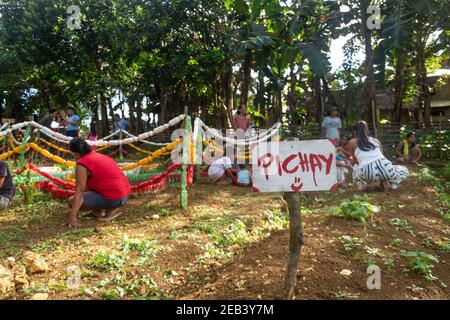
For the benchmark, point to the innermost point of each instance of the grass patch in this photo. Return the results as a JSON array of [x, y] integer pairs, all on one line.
[[76, 234], [10, 240]]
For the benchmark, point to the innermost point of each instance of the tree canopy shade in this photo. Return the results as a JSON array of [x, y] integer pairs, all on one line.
[[156, 57]]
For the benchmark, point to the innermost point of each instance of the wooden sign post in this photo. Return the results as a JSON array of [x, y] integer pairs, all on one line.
[[292, 167]]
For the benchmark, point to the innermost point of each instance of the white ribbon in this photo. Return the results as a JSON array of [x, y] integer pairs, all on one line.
[[245, 142], [99, 143]]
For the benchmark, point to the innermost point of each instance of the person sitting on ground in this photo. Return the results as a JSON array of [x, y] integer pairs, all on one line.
[[343, 160], [6, 186], [101, 186], [372, 164], [220, 169], [408, 151], [244, 176]]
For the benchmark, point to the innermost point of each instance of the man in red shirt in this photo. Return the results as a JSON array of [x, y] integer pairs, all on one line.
[[101, 186]]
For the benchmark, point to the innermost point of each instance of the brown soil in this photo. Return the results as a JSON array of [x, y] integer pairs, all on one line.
[[257, 270]]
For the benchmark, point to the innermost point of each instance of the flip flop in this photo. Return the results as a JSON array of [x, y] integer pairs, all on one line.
[[94, 214], [111, 215]]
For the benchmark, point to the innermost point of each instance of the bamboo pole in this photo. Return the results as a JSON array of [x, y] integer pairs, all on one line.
[[185, 163]]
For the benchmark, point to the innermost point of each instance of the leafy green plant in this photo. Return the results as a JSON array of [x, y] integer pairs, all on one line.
[[373, 251], [426, 175], [351, 243], [420, 262], [388, 262], [28, 189], [165, 212], [110, 295], [343, 294], [106, 261], [396, 242], [175, 234], [401, 225], [356, 208], [428, 242], [443, 245], [275, 219], [446, 171], [434, 144], [144, 247]]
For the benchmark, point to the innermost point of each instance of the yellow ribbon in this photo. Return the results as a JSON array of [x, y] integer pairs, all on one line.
[[54, 146], [139, 149], [18, 149], [405, 148], [247, 155], [50, 156], [153, 156]]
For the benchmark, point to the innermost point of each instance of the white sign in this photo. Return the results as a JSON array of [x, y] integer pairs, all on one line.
[[294, 166]]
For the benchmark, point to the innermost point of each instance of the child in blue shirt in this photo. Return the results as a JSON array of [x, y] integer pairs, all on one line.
[[244, 177]]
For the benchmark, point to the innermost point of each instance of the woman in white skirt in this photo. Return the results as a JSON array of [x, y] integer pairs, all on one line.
[[372, 165]]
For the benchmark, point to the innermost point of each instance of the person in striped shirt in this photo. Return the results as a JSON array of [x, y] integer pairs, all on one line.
[[373, 166]]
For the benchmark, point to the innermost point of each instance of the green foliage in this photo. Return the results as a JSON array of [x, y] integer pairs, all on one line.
[[175, 234], [420, 262], [144, 247], [436, 144], [388, 262], [446, 171], [401, 225], [343, 294], [394, 243], [165, 212], [28, 189], [356, 208], [351, 243], [275, 219], [120, 286], [429, 177], [426, 175], [10, 238], [106, 261]]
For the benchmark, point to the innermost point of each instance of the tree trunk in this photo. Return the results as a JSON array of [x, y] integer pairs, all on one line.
[[246, 70], [162, 118], [292, 98], [425, 90], [227, 83], [319, 100], [295, 243], [104, 113], [399, 85], [369, 106], [140, 121]]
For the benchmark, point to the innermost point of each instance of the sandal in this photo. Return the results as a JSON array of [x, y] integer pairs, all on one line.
[[111, 214]]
